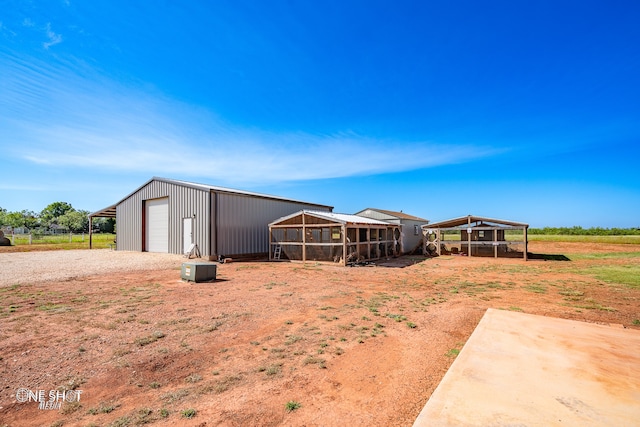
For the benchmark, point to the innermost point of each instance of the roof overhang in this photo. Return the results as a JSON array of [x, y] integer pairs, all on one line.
[[474, 220], [108, 212]]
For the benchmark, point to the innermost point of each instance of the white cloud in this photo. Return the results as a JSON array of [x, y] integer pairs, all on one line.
[[63, 121], [54, 38]]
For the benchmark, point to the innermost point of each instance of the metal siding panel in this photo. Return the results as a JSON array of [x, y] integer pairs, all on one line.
[[243, 222], [183, 201]]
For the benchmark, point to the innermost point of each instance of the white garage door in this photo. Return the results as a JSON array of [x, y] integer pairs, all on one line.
[[157, 232]]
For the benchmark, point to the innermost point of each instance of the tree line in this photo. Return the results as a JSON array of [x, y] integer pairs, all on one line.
[[579, 231], [55, 215]]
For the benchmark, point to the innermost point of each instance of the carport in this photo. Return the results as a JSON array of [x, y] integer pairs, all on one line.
[[476, 236], [109, 212]]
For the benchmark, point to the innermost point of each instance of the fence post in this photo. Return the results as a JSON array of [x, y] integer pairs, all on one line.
[[83, 236], [30, 238], [70, 237]]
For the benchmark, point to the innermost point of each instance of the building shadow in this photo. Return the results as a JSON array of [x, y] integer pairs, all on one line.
[[548, 257]]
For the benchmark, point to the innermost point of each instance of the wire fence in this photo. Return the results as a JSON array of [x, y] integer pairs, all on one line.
[[68, 240]]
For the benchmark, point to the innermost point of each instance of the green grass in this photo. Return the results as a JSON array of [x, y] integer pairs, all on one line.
[[292, 405], [628, 275], [605, 256], [584, 239], [61, 241]]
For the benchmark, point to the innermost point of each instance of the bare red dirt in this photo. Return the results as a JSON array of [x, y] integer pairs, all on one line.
[[353, 346]]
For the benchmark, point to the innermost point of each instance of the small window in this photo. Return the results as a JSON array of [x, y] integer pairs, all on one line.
[[480, 233], [416, 230]]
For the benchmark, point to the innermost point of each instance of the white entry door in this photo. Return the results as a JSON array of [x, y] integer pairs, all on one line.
[[157, 221], [187, 234]]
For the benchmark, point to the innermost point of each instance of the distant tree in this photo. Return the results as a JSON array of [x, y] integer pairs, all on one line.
[[3, 214], [52, 212], [104, 225], [25, 218], [75, 221]]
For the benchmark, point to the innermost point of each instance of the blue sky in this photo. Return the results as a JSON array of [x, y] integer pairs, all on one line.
[[528, 111]]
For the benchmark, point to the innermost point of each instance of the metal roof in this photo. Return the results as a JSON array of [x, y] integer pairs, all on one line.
[[399, 215], [465, 220], [335, 217], [203, 187], [108, 212]]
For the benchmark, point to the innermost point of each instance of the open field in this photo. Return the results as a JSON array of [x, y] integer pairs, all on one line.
[[25, 243], [272, 343]]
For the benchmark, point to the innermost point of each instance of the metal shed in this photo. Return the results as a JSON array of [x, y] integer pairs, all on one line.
[[476, 236], [325, 236], [411, 238], [167, 215]]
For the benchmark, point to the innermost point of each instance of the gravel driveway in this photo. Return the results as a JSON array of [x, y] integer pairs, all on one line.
[[30, 267]]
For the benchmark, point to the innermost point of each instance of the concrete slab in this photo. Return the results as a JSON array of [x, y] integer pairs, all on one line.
[[518, 369]]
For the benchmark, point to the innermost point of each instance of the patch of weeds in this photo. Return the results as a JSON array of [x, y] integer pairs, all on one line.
[[292, 405], [453, 352], [54, 308], [175, 396], [312, 360], [636, 322], [144, 416], [58, 423], [104, 408], [188, 413], [271, 369], [512, 308], [326, 307], [149, 339], [120, 422], [291, 339], [454, 290], [411, 325], [365, 318], [538, 289], [338, 351], [70, 408], [193, 378], [591, 304], [215, 326], [226, 383], [164, 413], [155, 385], [397, 317], [72, 383], [571, 294]]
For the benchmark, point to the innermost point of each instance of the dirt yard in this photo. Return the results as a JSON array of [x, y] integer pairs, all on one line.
[[354, 346]]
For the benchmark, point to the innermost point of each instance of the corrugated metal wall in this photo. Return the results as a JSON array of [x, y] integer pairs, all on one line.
[[184, 202], [243, 222]]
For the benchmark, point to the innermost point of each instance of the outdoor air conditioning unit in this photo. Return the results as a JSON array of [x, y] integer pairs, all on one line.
[[198, 272]]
